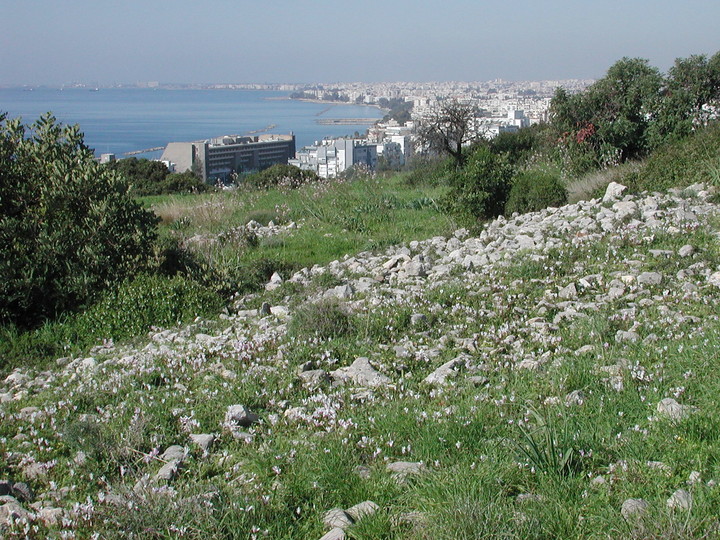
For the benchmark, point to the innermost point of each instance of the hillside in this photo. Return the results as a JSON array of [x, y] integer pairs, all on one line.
[[552, 377]]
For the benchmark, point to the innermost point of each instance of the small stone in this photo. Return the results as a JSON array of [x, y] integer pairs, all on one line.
[[239, 415], [634, 508], [576, 397], [334, 534], [622, 336], [50, 516], [673, 410], [613, 192], [11, 510], [361, 373], [598, 481], [568, 293], [337, 518], [314, 377], [416, 319], [203, 440], [649, 278], [447, 370], [694, 478], [360, 510], [342, 292], [681, 500], [168, 471], [714, 279], [405, 467], [173, 453], [686, 251]]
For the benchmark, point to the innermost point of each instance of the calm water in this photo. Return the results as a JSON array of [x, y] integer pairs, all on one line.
[[126, 120]]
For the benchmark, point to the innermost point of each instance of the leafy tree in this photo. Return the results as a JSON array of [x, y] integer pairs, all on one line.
[[610, 119], [448, 129], [68, 228], [690, 98]]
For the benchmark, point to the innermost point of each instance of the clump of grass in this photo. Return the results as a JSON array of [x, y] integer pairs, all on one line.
[[548, 446], [326, 319]]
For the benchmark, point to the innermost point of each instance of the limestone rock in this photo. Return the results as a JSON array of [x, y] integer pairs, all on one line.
[[361, 373], [360, 510], [613, 192], [337, 518], [203, 440], [680, 500], [633, 509], [334, 534], [673, 410], [447, 370], [239, 415], [649, 278]]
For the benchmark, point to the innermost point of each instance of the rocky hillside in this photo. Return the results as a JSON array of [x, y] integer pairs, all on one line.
[[553, 377]]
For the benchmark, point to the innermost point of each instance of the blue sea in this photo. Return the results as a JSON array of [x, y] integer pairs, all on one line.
[[127, 120]]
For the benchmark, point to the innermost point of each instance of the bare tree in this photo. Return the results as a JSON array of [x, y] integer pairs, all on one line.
[[448, 128]]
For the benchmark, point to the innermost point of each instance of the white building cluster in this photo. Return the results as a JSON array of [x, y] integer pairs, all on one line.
[[389, 145]]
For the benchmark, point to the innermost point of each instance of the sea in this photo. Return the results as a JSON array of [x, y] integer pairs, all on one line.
[[129, 120]]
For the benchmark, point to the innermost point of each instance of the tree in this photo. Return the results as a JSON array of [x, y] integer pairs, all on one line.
[[690, 98], [68, 228], [448, 128]]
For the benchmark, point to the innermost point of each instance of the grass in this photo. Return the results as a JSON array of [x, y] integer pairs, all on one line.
[[204, 240], [506, 455]]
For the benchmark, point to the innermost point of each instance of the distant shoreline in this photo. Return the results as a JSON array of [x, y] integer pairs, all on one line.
[[327, 102]]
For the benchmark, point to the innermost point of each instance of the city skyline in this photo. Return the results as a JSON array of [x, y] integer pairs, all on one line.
[[104, 43]]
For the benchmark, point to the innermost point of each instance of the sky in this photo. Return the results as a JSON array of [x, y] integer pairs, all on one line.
[[301, 41]]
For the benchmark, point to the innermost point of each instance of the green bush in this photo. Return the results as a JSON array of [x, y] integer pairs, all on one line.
[[68, 228], [146, 301], [480, 189], [534, 190], [282, 176], [147, 177], [694, 159], [325, 319]]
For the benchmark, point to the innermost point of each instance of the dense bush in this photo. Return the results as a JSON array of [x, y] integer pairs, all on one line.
[[282, 176], [633, 110], [480, 189], [534, 190], [146, 177], [68, 228], [145, 301], [694, 159]]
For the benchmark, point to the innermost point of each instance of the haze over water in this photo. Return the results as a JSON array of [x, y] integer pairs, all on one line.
[[127, 120]]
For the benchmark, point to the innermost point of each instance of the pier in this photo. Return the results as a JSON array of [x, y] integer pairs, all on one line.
[[346, 121]]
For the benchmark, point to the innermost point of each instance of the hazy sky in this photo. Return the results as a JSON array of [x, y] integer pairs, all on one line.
[[108, 41]]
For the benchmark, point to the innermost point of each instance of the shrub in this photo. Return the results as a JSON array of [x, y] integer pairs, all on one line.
[[534, 190], [147, 301], [480, 189], [683, 163], [68, 228], [325, 319], [282, 176]]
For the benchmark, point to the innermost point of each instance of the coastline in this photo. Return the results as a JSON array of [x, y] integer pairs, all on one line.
[[328, 102]]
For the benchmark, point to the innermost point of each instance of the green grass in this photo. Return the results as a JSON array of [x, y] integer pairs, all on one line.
[[335, 219]]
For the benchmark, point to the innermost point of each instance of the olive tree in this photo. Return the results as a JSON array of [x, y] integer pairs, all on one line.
[[68, 228]]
